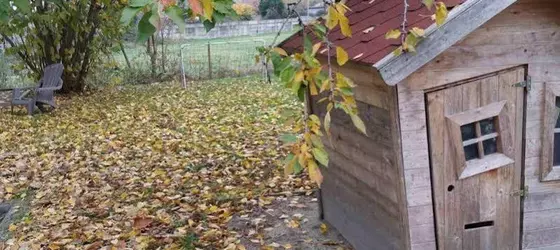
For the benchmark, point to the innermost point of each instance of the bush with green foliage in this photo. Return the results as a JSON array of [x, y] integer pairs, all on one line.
[[272, 9], [76, 33]]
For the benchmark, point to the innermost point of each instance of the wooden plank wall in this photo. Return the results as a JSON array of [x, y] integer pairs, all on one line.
[[363, 188], [525, 34]]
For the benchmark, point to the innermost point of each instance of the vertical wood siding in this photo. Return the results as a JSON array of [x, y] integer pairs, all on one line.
[[363, 188]]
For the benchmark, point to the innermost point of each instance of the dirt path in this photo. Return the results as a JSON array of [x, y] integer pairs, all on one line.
[[288, 223]]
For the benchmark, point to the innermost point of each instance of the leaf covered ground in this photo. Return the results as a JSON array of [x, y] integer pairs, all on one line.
[[147, 167]]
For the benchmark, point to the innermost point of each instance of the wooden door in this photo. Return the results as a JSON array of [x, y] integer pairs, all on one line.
[[475, 134]]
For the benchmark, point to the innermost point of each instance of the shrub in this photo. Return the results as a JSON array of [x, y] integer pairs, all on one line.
[[77, 33], [272, 9], [244, 11]]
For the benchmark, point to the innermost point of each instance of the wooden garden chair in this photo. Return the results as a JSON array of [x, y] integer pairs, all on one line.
[[43, 93]]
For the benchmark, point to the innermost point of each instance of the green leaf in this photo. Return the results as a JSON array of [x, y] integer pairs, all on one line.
[[288, 138], [155, 20], [321, 156], [316, 140], [301, 94], [321, 30], [307, 46], [224, 8], [398, 51], [410, 42], [177, 15], [128, 14], [279, 63], [145, 28], [297, 167], [347, 91], [358, 123], [287, 74], [139, 3], [296, 86], [23, 6], [208, 25]]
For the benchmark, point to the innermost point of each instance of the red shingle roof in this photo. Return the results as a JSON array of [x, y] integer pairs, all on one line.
[[369, 45]]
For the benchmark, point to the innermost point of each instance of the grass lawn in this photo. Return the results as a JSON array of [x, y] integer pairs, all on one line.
[[145, 166], [233, 56]]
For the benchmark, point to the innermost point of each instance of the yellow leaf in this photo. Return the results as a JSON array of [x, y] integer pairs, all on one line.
[[314, 172], [441, 13], [418, 32], [326, 85], [324, 228], [9, 189], [358, 123], [293, 224], [287, 246], [280, 51], [316, 48], [341, 56], [332, 17], [299, 76], [328, 122], [208, 7], [313, 89], [393, 34], [344, 26], [341, 8], [12, 227], [428, 3]]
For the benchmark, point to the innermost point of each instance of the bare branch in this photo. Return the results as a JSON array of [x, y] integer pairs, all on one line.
[[404, 22]]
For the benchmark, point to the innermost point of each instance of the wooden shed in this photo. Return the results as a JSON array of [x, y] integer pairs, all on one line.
[[463, 144]]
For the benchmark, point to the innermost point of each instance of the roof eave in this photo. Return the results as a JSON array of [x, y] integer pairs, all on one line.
[[462, 20]]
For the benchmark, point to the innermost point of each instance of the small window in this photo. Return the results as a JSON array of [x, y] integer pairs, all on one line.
[[550, 165], [477, 137], [480, 139], [556, 155]]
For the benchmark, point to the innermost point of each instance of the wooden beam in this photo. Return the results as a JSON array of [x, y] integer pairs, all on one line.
[[462, 20]]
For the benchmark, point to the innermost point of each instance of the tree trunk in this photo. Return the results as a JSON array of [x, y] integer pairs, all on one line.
[[152, 52]]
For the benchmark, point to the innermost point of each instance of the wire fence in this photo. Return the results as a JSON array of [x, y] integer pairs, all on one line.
[[214, 60]]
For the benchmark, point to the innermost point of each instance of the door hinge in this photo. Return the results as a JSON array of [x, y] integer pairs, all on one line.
[[524, 84], [524, 192]]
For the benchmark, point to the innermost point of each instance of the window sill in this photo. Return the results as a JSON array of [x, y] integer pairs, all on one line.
[[553, 175], [489, 162]]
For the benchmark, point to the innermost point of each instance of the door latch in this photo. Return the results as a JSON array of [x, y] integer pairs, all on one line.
[[524, 192], [524, 84]]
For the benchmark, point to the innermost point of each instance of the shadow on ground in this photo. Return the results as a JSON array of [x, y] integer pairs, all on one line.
[[288, 223]]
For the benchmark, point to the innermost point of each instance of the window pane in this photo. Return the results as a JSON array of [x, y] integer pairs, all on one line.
[[468, 131], [556, 158], [487, 126], [471, 152], [490, 146], [557, 106]]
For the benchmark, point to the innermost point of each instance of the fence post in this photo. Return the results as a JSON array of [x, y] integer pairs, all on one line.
[[209, 62], [183, 67]]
